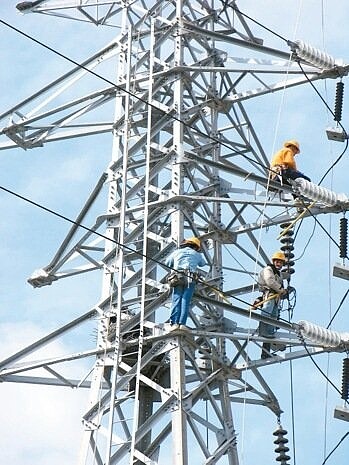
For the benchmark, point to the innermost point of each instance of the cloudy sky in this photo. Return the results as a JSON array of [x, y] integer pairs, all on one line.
[[43, 426]]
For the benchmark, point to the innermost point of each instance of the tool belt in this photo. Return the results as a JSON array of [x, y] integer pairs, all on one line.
[[181, 277], [276, 170]]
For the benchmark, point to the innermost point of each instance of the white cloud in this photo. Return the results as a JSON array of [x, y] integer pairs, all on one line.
[[37, 420]]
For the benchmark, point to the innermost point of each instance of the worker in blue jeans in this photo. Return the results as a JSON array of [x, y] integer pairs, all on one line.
[[186, 261], [271, 284]]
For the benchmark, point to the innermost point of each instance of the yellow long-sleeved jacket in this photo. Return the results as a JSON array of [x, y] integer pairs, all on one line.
[[284, 158]]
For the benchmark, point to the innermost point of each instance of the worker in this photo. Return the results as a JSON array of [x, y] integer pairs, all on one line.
[[271, 285], [283, 162], [185, 261]]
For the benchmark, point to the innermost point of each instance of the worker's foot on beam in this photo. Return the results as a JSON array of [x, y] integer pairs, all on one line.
[[184, 327], [275, 347], [266, 350]]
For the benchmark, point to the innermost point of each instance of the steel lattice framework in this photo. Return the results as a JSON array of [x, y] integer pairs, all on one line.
[[185, 161]]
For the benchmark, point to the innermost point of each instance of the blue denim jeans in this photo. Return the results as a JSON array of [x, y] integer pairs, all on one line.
[[294, 174], [270, 309], [181, 298]]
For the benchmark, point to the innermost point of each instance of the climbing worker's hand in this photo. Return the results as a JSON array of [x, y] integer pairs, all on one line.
[[283, 293]]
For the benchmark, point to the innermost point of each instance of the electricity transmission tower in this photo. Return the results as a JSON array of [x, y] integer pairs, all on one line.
[[186, 161]]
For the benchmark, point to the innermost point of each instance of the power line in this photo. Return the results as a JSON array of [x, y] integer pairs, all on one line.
[[336, 447], [65, 57], [317, 366], [235, 8], [119, 244], [339, 306], [196, 130]]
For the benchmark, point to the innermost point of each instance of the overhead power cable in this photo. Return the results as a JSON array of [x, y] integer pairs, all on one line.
[[339, 306], [74, 62], [234, 7], [119, 244], [318, 367], [146, 102], [335, 447]]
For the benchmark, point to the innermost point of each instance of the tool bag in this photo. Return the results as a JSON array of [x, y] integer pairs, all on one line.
[[175, 279]]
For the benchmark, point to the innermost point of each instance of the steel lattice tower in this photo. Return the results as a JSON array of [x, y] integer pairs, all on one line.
[[186, 161]]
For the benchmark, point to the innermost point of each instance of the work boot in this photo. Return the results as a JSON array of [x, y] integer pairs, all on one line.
[[184, 327], [266, 350], [275, 347]]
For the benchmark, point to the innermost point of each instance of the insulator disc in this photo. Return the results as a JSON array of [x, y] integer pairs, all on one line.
[[283, 458], [286, 247], [280, 449], [281, 440], [286, 240], [280, 432], [290, 232], [289, 256]]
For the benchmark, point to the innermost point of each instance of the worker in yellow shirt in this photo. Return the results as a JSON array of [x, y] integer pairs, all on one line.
[[283, 163]]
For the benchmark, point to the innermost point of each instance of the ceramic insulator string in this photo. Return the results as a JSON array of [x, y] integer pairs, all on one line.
[[287, 247], [281, 448], [314, 56], [345, 379], [321, 335], [339, 101], [318, 193], [343, 237]]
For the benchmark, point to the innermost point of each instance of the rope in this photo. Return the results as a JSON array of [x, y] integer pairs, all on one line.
[[259, 304], [299, 217]]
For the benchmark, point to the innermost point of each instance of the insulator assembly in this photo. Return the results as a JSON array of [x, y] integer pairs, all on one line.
[[281, 448], [338, 106], [318, 193], [343, 237], [321, 335], [287, 247], [314, 56], [345, 380]]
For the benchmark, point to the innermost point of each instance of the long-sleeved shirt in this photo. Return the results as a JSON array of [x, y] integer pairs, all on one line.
[[284, 157], [270, 279], [185, 258]]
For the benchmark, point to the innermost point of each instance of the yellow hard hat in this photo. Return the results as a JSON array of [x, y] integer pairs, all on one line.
[[193, 240], [292, 143], [279, 256]]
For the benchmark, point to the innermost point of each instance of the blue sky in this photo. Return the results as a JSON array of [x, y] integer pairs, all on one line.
[[43, 425]]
